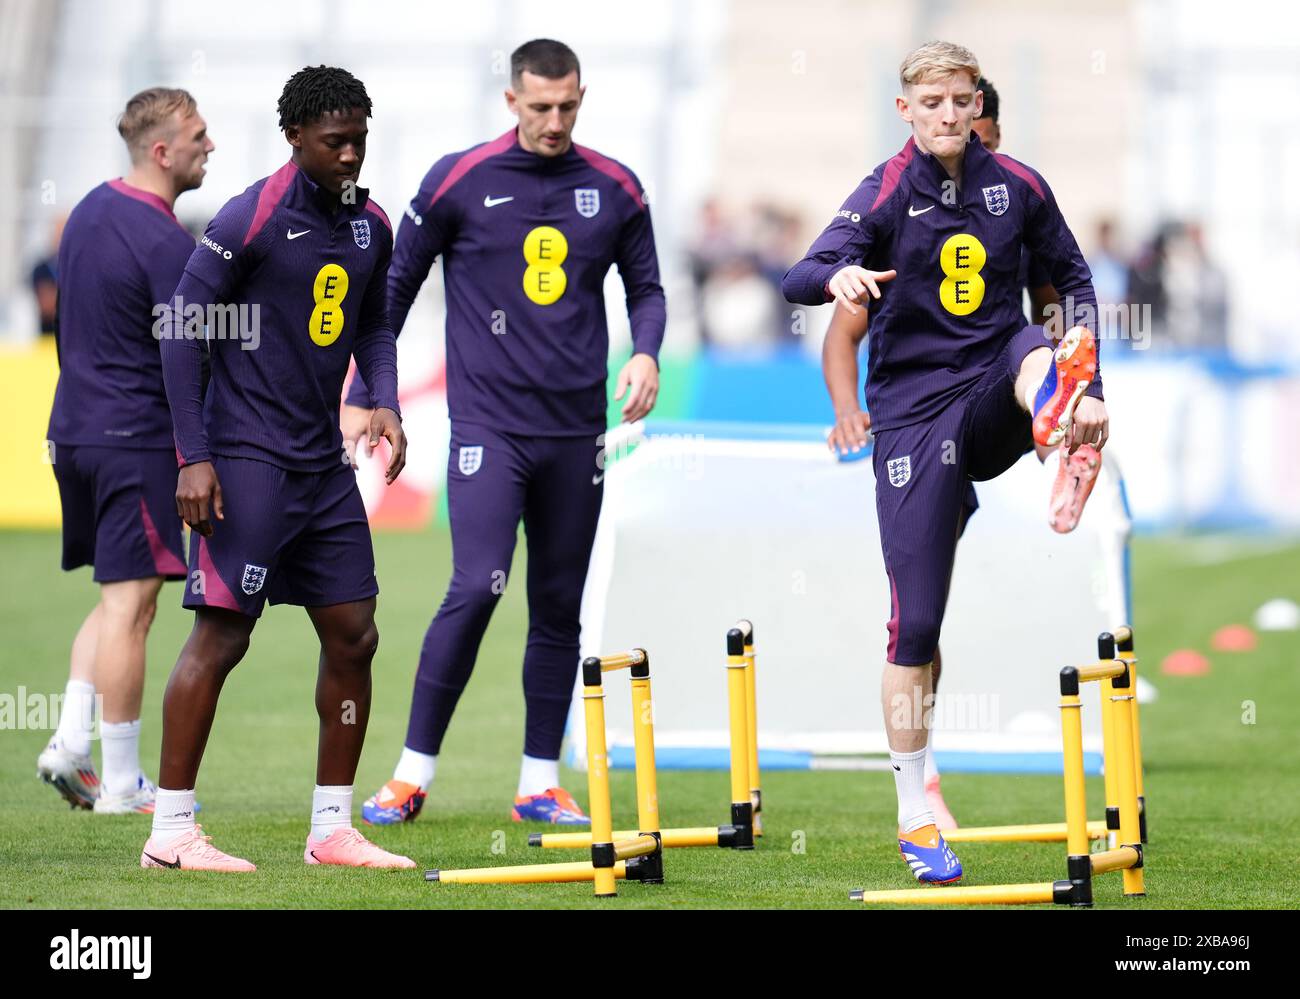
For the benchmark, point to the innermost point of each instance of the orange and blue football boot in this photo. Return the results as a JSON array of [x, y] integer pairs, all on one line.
[[929, 856], [397, 801], [1073, 367], [554, 805]]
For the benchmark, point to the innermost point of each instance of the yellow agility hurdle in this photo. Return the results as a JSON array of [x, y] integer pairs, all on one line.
[[746, 790], [1108, 829], [1116, 677], [614, 856]]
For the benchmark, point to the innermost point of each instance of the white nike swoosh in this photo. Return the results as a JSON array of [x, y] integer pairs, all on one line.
[[491, 202], [295, 235], [596, 479], [911, 210]]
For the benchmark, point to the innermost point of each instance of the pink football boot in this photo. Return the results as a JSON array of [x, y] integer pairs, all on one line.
[[1075, 477], [348, 848], [191, 852]]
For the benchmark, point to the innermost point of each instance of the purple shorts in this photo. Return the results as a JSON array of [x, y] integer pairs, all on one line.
[[119, 512], [924, 494], [290, 537]]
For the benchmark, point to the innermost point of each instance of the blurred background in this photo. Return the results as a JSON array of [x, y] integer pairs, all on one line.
[[1169, 132]]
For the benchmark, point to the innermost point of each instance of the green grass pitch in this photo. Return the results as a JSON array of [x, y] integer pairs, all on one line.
[[1220, 791]]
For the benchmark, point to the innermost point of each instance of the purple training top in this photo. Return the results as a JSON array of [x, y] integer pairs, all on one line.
[[956, 300], [526, 242], [121, 254], [317, 279]]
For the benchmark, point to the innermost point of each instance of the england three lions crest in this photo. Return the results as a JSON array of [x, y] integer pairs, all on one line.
[[997, 199], [471, 459], [361, 232], [588, 201], [900, 470], [254, 577]]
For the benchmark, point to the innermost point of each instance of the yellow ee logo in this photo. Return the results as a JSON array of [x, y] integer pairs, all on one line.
[[330, 289], [962, 258], [544, 279]]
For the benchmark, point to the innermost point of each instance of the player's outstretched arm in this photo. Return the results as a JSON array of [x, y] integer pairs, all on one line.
[[840, 369]]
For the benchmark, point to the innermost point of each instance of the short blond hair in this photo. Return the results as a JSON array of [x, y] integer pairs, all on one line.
[[937, 60], [146, 112]]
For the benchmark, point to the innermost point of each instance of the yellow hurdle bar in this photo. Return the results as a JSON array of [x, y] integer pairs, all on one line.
[[1045, 832], [972, 895], [622, 660], [698, 836], [751, 724], [1113, 860], [527, 874], [637, 847], [1099, 671]]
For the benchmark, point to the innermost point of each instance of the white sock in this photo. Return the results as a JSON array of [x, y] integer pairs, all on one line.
[[173, 815], [331, 808], [77, 719], [931, 769], [537, 776], [1030, 393], [416, 768], [909, 780], [121, 751]]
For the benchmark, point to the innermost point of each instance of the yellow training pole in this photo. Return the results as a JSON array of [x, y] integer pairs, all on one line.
[[1076, 799], [751, 723], [970, 895], [1124, 643], [1045, 832], [751, 726], [1129, 830], [602, 819], [647, 781], [1110, 752], [527, 874], [742, 809], [1109, 755], [643, 729]]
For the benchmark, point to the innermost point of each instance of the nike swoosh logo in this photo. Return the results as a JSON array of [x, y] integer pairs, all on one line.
[[314, 857], [295, 235], [911, 210], [491, 202], [597, 479], [162, 863]]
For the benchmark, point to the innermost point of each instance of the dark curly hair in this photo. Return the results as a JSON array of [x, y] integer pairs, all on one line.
[[316, 91], [992, 105]]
